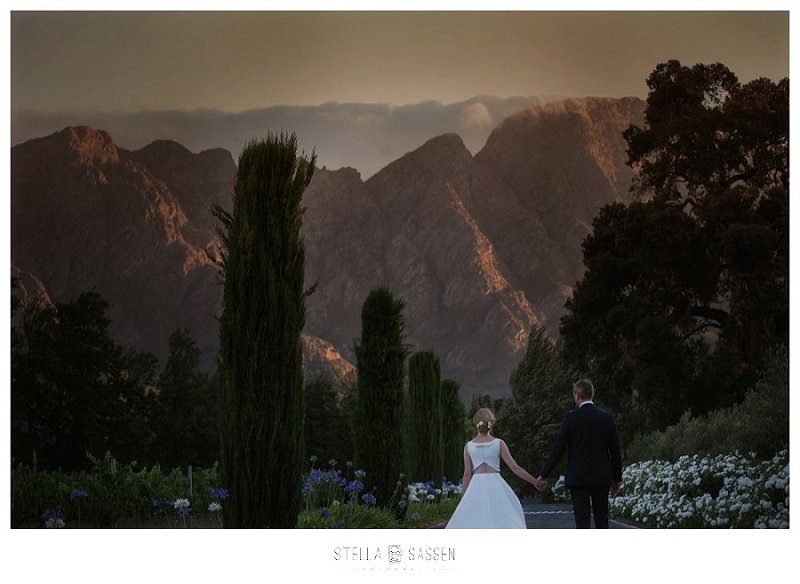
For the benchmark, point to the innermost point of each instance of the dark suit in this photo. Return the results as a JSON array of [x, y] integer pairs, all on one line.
[[589, 435]]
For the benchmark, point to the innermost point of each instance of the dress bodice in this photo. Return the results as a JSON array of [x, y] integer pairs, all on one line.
[[487, 453]]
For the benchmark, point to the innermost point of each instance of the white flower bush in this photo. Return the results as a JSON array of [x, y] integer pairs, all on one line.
[[721, 491]]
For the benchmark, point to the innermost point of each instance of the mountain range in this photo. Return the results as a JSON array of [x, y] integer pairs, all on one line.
[[481, 248]]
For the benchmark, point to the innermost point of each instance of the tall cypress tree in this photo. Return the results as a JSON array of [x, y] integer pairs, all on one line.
[[380, 358], [453, 434], [263, 313], [426, 455]]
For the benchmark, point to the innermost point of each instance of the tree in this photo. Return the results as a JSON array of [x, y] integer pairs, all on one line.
[[327, 427], [453, 434], [380, 363], [541, 393], [74, 390], [424, 451], [185, 420], [263, 313], [706, 132], [686, 288]]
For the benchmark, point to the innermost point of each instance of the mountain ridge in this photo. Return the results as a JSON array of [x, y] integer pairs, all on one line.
[[481, 248]]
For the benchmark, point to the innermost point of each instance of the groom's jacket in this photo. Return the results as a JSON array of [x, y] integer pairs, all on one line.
[[589, 435]]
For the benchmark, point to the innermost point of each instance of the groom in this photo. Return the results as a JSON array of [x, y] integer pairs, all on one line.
[[594, 464]]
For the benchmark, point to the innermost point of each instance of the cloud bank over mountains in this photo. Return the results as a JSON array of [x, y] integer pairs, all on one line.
[[364, 136]]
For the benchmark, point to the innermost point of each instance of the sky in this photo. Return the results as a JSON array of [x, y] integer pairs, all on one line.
[[236, 61], [360, 88]]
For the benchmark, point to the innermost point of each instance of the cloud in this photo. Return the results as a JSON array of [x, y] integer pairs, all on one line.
[[476, 114]]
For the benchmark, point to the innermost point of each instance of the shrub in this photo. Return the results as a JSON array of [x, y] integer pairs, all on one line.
[[710, 491], [759, 424]]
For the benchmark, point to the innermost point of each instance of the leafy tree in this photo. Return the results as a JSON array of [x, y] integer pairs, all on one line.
[[263, 313], [74, 391], [705, 132], [185, 420], [541, 393], [380, 362], [686, 288], [453, 434], [424, 448], [327, 427]]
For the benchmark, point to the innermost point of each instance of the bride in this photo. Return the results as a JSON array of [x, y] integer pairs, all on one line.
[[487, 502]]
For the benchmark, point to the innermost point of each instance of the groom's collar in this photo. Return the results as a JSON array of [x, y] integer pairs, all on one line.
[[587, 402]]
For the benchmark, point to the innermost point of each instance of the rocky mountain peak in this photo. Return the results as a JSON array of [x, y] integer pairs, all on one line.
[[92, 146]]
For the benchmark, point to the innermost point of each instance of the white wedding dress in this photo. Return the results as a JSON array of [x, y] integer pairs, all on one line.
[[489, 502]]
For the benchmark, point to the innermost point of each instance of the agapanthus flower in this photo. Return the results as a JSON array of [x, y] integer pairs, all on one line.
[[53, 518], [369, 499], [221, 494], [78, 494], [214, 507]]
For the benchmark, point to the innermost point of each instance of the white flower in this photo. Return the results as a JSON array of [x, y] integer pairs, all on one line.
[[54, 523], [214, 507], [181, 504]]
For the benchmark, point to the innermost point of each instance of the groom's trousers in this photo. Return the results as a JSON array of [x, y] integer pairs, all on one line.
[[590, 500]]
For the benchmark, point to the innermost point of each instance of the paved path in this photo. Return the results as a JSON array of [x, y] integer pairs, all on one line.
[[540, 515]]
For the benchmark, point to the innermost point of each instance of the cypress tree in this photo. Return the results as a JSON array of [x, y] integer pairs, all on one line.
[[453, 435], [263, 313], [426, 455], [380, 359]]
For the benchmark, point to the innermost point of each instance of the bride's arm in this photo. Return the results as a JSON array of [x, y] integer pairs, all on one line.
[[517, 469], [467, 471]]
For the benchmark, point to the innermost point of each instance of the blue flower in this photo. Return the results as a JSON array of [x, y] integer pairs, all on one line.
[[355, 486], [369, 499], [77, 494], [324, 513], [306, 490], [221, 494], [339, 524], [56, 513], [360, 474]]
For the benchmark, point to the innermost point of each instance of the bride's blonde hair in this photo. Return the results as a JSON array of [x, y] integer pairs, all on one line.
[[484, 420]]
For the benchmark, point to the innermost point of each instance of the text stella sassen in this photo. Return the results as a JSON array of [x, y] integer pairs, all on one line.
[[367, 553]]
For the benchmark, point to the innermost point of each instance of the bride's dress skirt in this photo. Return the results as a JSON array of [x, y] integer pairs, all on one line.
[[489, 503]]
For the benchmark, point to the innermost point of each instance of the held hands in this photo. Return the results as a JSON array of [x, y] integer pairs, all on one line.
[[539, 483]]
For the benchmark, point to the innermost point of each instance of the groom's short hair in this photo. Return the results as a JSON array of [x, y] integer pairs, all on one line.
[[584, 389]]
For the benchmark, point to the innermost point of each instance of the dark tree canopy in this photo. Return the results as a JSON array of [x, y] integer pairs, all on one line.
[[424, 448], [706, 132], [686, 288], [185, 418], [74, 390], [263, 314], [453, 429], [380, 358]]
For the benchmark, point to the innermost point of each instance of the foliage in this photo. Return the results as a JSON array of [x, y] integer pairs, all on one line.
[[108, 495], [759, 424], [424, 445], [185, 416], [380, 357], [541, 393], [705, 131], [686, 288], [328, 433], [334, 499], [74, 389], [453, 433], [263, 313], [706, 491]]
